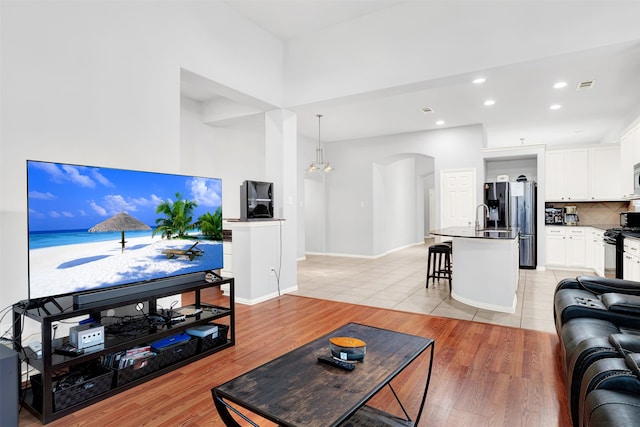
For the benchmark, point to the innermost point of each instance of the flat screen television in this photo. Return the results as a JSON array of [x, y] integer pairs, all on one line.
[[256, 200], [94, 229]]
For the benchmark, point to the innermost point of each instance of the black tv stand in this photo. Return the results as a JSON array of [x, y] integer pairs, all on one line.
[[43, 399], [41, 303]]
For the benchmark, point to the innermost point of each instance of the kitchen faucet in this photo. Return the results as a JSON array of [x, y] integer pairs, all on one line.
[[484, 222]]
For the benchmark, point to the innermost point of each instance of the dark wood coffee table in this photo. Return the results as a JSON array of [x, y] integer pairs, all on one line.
[[296, 390]]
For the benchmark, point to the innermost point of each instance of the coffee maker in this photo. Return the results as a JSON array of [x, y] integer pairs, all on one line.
[[570, 215]]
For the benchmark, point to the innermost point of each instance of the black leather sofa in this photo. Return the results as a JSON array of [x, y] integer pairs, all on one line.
[[598, 323]]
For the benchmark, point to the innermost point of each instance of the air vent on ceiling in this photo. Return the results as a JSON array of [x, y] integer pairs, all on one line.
[[586, 84], [426, 110]]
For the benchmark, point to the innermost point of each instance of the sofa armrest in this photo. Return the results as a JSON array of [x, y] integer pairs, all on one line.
[[633, 362], [621, 303], [625, 343], [601, 285]]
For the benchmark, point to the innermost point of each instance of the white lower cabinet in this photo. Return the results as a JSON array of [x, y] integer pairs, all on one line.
[[576, 247], [595, 251], [567, 247], [227, 257], [556, 248], [631, 260]]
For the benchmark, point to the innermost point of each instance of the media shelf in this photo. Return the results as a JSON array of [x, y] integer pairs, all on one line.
[[46, 406]]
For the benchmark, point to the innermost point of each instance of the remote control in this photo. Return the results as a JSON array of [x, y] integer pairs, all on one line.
[[337, 363]]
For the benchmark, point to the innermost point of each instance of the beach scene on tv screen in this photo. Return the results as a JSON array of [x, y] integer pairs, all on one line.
[[92, 228]]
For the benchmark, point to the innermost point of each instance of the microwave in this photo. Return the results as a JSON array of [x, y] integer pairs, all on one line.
[[630, 219]]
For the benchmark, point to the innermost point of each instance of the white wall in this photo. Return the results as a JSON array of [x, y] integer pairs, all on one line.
[[351, 225], [400, 203], [219, 151], [511, 167], [99, 83]]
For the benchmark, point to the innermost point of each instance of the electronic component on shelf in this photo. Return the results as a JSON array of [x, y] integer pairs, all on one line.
[[177, 317], [188, 311], [36, 346], [170, 341], [212, 276], [88, 335], [208, 330], [68, 349]]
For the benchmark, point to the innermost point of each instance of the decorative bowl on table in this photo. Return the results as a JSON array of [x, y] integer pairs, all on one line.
[[348, 348]]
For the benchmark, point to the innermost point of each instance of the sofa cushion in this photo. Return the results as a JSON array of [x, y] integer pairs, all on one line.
[[583, 355], [628, 342], [577, 330], [609, 408], [607, 374]]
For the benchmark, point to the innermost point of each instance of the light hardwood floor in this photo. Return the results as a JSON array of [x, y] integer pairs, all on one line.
[[483, 375]]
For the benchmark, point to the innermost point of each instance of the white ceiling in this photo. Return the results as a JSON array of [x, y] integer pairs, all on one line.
[[523, 92]]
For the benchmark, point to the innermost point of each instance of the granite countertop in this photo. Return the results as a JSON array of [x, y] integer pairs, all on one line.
[[471, 232]]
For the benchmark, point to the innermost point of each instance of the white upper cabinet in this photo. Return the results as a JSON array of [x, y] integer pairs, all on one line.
[[627, 162], [634, 134], [585, 174], [629, 157], [605, 173], [567, 175]]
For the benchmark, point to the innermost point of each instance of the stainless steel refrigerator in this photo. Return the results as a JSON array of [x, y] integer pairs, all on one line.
[[513, 204]]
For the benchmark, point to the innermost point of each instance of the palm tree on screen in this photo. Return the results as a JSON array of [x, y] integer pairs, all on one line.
[[211, 224], [178, 217]]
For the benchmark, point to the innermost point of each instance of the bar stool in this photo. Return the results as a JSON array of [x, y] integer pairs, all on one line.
[[438, 254]]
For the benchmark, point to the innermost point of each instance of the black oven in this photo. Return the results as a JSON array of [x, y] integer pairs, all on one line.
[[614, 238]]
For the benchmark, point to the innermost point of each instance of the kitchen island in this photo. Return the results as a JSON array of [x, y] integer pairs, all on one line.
[[485, 266]]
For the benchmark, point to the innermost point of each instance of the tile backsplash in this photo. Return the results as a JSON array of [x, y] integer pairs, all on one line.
[[597, 213]]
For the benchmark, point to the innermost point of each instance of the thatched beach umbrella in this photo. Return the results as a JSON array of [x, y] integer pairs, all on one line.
[[120, 222]]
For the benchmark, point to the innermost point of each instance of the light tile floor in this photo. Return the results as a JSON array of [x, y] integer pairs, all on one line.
[[397, 281]]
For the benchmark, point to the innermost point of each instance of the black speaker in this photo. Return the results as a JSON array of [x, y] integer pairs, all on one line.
[[256, 200], [9, 386]]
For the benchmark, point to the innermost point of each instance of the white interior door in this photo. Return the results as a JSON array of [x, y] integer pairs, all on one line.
[[458, 200]]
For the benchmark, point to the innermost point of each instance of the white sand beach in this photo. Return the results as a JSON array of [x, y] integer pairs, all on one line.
[[71, 268]]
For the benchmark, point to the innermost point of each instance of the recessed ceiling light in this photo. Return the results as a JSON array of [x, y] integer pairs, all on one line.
[[489, 102], [560, 85], [440, 122], [479, 80], [555, 107]]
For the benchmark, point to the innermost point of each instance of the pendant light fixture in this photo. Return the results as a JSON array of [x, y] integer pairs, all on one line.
[[319, 165]]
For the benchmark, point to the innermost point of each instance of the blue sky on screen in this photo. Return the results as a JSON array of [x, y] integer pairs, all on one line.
[[72, 197]]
